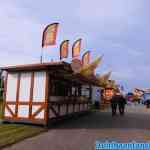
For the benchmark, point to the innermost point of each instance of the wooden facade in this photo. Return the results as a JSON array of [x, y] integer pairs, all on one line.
[[38, 93]]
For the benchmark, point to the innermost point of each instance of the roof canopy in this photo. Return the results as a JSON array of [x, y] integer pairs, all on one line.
[[61, 69], [39, 66]]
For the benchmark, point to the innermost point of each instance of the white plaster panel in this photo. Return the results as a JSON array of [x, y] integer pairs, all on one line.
[[85, 106], [82, 107], [7, 113], [39, 86], [23, 111], [25, 84], [63, 109], [76, 108], [70, 108], [11, 87]]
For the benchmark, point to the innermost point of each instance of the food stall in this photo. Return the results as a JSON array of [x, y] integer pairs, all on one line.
[[39, 93]]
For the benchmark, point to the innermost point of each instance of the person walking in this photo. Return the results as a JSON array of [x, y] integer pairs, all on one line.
[[114, 103], [121, 104], [120, 101]]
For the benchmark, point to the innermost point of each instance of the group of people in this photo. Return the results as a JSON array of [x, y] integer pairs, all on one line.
[[118, 101]]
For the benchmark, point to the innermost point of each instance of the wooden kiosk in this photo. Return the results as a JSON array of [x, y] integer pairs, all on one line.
[[39, 93]]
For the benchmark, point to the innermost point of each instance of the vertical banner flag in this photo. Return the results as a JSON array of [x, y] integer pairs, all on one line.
[[64, 49], [49, 35], [86, 58], [76, 48]]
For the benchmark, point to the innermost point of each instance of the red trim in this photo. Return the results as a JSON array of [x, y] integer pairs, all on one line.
[[46, 113], [38, 111], [5, 86], [36, 121], [5, 92], [24, 103], [9, 109], [17, 93], [31, 94], [31, 67], [57, 114]]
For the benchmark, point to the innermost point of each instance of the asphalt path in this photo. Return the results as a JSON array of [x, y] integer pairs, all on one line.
[[81, 133]]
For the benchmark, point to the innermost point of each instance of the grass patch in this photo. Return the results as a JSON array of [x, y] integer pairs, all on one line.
[[13, 133]]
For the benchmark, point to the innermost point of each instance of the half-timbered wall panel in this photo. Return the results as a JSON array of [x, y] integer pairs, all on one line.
[[70, 108], [76, 107], [63, 109], [11, 87], [82, 107], [7, 111], [23, 111], [40, 115], [25, 96], [25, 84], [39, 87], [53, 112], [35, 108]]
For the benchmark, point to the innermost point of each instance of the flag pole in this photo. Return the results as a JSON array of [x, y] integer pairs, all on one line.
[[41, 56]]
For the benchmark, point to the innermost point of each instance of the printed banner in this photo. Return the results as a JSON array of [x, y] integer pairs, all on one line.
[[64, 47], [86, 58], [76, 48], [49, 35]]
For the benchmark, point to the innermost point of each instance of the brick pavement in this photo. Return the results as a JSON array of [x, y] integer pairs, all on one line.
[[81, 133]]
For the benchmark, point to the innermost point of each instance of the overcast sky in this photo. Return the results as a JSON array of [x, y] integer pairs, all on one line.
[[117, 29]]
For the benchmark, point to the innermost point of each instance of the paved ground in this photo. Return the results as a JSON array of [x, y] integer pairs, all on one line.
[[81, 133]]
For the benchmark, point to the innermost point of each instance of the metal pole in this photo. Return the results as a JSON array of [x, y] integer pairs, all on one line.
[[41, 57]]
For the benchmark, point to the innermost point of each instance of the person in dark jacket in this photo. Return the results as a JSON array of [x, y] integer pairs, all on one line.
[[121, 103], [119, 100], [114, 103]]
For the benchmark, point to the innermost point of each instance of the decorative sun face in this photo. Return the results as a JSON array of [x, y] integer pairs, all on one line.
[[109, 93]]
